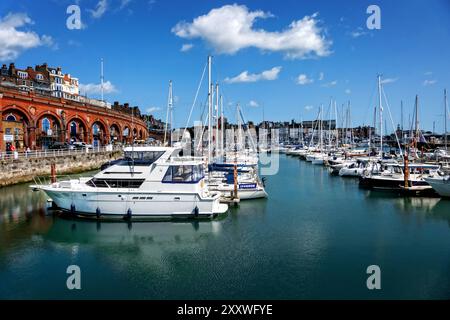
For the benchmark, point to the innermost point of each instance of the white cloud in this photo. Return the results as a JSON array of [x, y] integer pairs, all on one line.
[[186, 47], [321, 76], [428, 73], [93, 88], [307, 108], [359, 32], [389, 80], [253, 103], [124, 3], [330, 84], [429, 82], [153, 109], [348, 91], [13, 41], [230, 28], [100, 9], [269, 75], [303, 79]]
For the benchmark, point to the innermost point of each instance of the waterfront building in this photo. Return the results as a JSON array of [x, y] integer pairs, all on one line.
[[41, 106]]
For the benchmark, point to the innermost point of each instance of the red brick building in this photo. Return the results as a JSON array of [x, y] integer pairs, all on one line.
[[35, 120]]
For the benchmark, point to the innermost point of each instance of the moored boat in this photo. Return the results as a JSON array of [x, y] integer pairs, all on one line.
[[148, 182]]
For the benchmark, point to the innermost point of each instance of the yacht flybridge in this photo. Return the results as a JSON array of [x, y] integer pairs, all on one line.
[[147, 182]]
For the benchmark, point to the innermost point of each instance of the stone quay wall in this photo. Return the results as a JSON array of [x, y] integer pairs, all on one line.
[[25, 169]]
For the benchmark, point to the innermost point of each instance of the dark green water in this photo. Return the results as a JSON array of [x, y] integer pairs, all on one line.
[[313, 238]]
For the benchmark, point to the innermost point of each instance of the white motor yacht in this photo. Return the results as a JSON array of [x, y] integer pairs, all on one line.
[[147, 182]]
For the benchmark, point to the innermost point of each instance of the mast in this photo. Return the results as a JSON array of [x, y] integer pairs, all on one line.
[[209, 109], [169, 115], [445, 122], [350, 123], [381, 115], [416, 125], [221, 127], [320, 128], [217, 120], [401, 117], [336, 130], [101, 77]]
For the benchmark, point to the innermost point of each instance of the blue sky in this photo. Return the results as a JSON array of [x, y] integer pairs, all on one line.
[[332, 55]]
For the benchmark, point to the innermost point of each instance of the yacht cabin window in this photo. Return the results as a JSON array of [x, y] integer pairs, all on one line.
[[140, 158], [183, 174]]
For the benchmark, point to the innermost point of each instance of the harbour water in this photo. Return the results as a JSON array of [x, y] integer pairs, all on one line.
[[313, 238]]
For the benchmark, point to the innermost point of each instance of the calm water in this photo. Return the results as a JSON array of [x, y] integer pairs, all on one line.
[[313, 238]]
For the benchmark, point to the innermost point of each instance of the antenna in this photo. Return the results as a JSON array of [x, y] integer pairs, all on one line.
[[101, 77]]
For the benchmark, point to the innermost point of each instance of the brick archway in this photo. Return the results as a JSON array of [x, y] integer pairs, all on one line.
[[32, 108], [115, 132], [78, 131], [99, 133], [49, 129], [17, 127]]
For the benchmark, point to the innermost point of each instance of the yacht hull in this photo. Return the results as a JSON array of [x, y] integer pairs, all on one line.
[[441, 186], [395, 185], [141, 204]]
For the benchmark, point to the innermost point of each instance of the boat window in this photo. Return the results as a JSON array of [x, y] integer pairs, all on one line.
[[115, 183], [184, 174], [140, 158]]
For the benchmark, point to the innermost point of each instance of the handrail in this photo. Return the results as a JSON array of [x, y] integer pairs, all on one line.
[[35, 154]]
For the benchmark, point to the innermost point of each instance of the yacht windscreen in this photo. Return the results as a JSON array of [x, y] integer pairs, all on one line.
[[140, 158], [184, 174]]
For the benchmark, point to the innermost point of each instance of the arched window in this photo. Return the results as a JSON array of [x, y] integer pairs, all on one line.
[[73, 128], [11, 117], [96, 129], [45, 125], [126, 131]]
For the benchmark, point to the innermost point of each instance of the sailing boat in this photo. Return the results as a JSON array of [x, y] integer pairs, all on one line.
[[441, 183], [221, 170]]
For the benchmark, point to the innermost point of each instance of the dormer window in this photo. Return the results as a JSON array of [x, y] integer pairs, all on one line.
[[39, 77], [22, 74]]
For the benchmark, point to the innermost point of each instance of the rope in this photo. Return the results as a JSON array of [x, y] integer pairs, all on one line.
[[195, 100]]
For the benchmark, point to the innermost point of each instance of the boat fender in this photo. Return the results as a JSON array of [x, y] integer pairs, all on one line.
[[98, 212], [72, 208], [129, 213], [196, 211]]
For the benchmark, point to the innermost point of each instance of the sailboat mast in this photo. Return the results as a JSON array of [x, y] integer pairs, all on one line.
[[445, 121], [320, 128], [168, 113], [221, 126], [401, 116], [209, 109], [416, 125], [381, 115], [217, 119]]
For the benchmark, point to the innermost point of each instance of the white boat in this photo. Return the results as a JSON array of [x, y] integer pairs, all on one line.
[[249, 185], [148, 182], [357, 169], [441, 184]]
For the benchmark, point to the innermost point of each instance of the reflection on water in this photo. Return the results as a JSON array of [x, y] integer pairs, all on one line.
[[310, 239]]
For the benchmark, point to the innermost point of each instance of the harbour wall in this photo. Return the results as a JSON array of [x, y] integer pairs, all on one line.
[[24, 169]]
